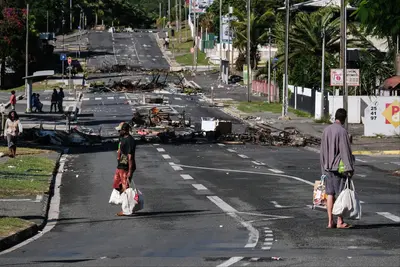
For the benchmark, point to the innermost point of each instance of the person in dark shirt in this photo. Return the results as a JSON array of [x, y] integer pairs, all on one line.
[[126, 159]]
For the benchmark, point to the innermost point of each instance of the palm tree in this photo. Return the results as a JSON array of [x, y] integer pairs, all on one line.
[[258, 34]]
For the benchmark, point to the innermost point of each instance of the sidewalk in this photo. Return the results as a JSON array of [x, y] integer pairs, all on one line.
[[229, 95], [23, 207]]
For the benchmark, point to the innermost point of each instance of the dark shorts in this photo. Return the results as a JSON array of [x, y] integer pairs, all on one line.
[[334, 183], [11, 141]]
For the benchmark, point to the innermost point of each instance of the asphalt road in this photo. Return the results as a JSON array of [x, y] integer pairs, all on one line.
[[136, 50], [210, 204]]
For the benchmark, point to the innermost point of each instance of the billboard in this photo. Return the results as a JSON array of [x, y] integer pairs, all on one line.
[[199, 6]]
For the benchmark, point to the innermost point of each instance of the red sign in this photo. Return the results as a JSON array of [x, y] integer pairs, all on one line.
[[69, 60]]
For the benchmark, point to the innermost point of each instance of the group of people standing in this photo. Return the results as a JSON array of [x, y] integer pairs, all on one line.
[[57, 99]]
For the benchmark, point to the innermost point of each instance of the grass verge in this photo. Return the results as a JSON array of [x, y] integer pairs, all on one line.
[[254, 107], [23, 151], [25, 176], [9, 226], [187, 59]]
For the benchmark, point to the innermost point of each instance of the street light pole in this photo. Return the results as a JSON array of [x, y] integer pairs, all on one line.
[[248, 51], [323, 73], [343, 58], [220, 37], [27, 89], [70, 15], [269, 66], [286, 82], [169, 13]]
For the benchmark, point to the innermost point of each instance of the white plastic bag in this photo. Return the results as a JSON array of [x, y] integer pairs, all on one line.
[[115, 198], [139, 199], [128, 201], [347, 203]]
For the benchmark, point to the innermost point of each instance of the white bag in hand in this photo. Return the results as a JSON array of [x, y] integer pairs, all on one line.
[[347, 203], [128, 201], [115, 198], [139, 199]]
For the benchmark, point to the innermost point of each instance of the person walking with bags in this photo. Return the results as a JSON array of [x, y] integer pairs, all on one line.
[[337, 162], [12, 129], [126, 160]]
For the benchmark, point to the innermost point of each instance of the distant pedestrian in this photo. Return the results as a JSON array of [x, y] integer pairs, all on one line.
[[54, 100], [37, 104], [13, 100], [336, 151], [126, 160], [13, 128], [60, 100]]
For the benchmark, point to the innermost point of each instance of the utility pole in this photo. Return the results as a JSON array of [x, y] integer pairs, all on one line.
[[169, 13], [63, 46], [70, 15], [286, 82], [220, 38], [323, 73], [269, 65], [180, 21], [248, 51], [397, 56], [159, 16], [343, 56], [27, 87], [186, 24], [195, 39], [229, 36], [47, 16], [176, 18]]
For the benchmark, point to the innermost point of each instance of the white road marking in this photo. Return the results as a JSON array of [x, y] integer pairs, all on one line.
[[54, 210], [16, 200], [254, 259], [245, 263], [250, 172], [86, 99], [361, 175], [172, 163], [396, 163], [390, 216], [199, 187], [258, 163], [178, 98], [243, 156], [97, 98], [278, 206], [254, 235], [186, 177], [156, 144], [231, 150], [267, 231], [221, 144], [110, 97], [268, 239], [166, 156], [230, 262], [160, 149], [269, 235], [122, 97], [360, 160], [176, 168], [275, 171]]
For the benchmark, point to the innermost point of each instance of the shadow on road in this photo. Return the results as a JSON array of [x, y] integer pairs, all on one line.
[[376, 226]]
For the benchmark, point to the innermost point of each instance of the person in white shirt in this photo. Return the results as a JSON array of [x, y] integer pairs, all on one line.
[[12, 129]]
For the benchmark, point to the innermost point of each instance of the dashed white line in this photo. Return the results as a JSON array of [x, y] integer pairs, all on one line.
[[230, 262], [160, 149], [156, 144], [176, 168], [360, 160], [267, 231], [275, 171], [269, 235], [199, 187], [243, 156], [166, 156], [221, 144], [186, 177], [268, 239], [390, 216], [361, 175], [110, 97], [86, 99], [231, 150], [178, 98], [97, 98], [122, 97], [258, 163]]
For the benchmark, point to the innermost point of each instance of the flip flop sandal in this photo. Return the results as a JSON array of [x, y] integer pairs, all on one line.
[[347, 226]]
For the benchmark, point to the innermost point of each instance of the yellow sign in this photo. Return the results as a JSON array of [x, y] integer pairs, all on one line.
[[392, 113]]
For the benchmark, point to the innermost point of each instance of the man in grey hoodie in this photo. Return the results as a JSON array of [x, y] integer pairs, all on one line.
[[336, 147]]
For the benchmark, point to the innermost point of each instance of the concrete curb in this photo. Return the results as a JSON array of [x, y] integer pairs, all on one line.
[[377, 152], [172, 66], [18, 237], [29, 232]]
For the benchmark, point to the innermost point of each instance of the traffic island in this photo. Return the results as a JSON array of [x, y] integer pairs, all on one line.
[[25, 190]]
